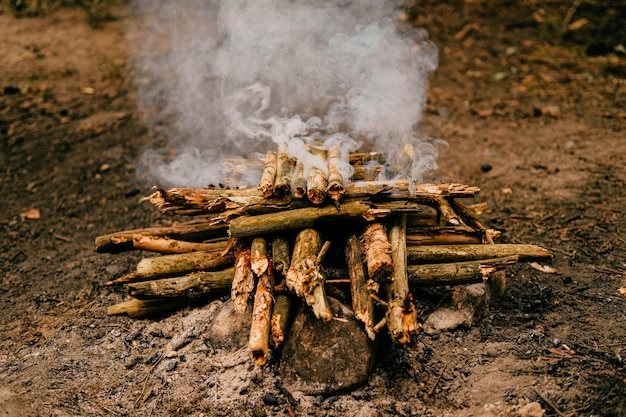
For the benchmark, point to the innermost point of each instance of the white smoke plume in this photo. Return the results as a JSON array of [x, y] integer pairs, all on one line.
[[235, 78]]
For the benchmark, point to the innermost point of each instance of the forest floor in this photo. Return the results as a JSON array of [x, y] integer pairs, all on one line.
[[531, 100]]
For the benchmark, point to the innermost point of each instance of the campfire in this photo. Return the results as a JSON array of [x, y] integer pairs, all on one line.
[[296, 238]]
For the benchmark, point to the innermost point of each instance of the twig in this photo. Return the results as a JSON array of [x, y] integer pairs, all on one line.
[[570, 14], [551, 404], [432, 389], [145, 380]]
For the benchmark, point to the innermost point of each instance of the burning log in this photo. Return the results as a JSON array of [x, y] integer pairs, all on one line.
[[316, 181], [266, 186], [305, 276], [258, 344], [299, 181], [188, 286], [377, 253], [284, 172], [335, 188], [178, 264], [362, 302], [243, 279], [401, 315]]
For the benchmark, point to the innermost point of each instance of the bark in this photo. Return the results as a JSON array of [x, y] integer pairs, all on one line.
[[316, 181], [281, 317], [424, 254], [258, 344], [456, 273], [268, 177], [377, 253], [188, 286], [284, 172], [178, 264], [258, 257], [401, 315], [335, 188], [362, 302], [305, 276], [243, 279]]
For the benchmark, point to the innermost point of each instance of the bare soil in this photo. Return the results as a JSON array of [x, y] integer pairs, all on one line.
[[534, 114]]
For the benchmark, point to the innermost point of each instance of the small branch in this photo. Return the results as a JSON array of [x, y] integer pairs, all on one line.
[[431, 391], [268, 177]]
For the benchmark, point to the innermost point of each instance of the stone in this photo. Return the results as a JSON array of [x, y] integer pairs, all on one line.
[[320, 358], [229, 329], [533, 409]]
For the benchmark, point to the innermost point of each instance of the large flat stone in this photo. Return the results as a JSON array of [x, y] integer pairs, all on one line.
[[229, 329], [324, 357]]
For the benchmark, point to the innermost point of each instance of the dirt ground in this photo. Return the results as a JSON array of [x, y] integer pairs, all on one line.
[[531, 100]]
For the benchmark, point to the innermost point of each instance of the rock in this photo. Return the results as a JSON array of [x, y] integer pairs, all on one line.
[[324, 357], [467, 305], [229, 329], [531, 410]]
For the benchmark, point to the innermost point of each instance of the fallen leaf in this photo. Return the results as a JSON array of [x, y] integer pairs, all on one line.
[[88, 90], [564, 353], [578, 24], [543, 268], [31, 214], [622, 291]]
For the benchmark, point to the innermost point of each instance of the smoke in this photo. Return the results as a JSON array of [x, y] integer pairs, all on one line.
[[235, 78]]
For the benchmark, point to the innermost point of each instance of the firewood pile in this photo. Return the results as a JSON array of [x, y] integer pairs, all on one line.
[[297, 238]]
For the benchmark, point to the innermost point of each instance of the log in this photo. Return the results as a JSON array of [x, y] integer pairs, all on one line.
[[377, 253], [178, 264], [316, 181], [335, 188], [442, 235], [243, 279], [299, 181], [280, 256], [268, 177], [362, 302], [171, 246], [136, 309], [311, 216], [470, 218], [258, 256], [457, 273], [305, 276], [419, 254], [281, 317], [123, 241], [258, 344], [365, 157], [366, 172], [193, 285], [284, 172], [401, 314]]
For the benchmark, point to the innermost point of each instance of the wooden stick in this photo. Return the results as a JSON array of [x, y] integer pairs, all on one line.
[[284, 172], [442, 235], [366, 172], [258, 256], [365, 157], [470, 218], [305, 276], [281, 316], [258, 344], [266, 186], [401, 314], [377, 253], [316, 181], [280, 256], [299, 181], [362, 302], [135, 308], [188, 286], [335, 188], [456, 273], [418, 254], [170, 246], [177, 264], [123, 241], [243, 279]]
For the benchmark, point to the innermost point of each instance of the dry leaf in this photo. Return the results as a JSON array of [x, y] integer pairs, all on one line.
[[88, 90], [32, 214], [622, 291], [543, 268], [578, 24]]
